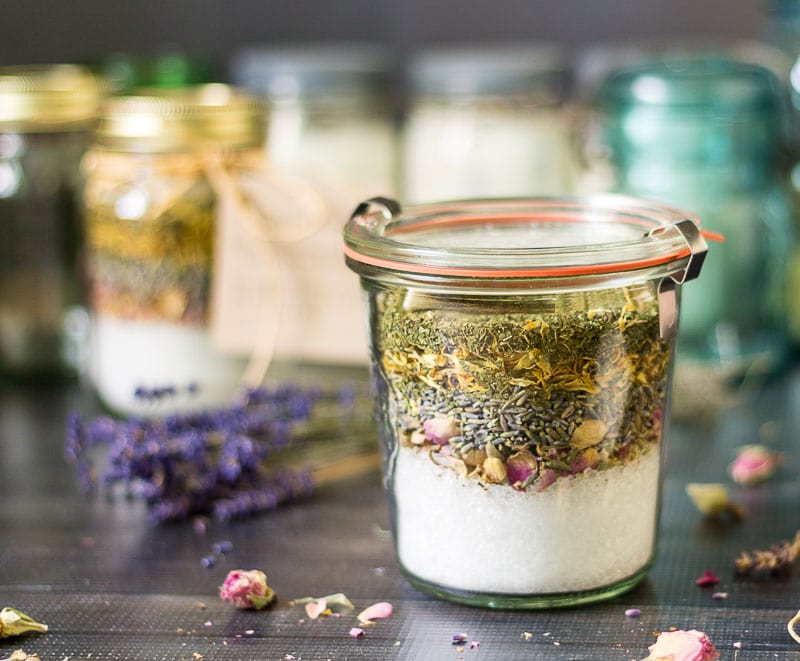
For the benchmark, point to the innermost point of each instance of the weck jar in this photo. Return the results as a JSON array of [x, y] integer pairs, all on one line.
[[46, 117], [182, 282], [521, 355]]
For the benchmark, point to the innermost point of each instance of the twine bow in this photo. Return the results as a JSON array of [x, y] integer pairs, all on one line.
[[258, 208]]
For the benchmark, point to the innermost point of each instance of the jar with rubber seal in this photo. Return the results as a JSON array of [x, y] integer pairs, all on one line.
[[521, 355]]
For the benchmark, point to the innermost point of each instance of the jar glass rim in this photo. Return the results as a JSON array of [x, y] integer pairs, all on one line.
[[520, 237]]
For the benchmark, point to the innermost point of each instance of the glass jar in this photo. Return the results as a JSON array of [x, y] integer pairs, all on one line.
[[330, 123], [161, 182], [705, 133], [520, 356], [46, 115], [487, 122]]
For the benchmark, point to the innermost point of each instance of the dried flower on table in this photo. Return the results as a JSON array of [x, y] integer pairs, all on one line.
[[16, 623], [707, 580], [791, 627], [357, 632], [764, 562], [265, 449], [337, 603], [682, 645], [247, 589], [712, 500], [375, 612], [21, 655], [754, 464]]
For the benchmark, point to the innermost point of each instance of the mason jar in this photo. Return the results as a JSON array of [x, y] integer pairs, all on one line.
[[330, 123], [487, 122], [521, 354], [46, 117], [175, 274], [705, 131]]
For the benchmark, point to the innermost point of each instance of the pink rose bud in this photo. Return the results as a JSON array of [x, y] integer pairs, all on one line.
[[247, 589], [681, 645], [753, 464], [440, 429]]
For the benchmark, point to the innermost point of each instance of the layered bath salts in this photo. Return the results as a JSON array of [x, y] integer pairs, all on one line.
[[522, 438]]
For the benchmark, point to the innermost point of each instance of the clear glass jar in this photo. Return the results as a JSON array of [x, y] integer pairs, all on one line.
[[46, 115], [155, 180], [330, 123], [520, 355], [705, 132], [487, 122]]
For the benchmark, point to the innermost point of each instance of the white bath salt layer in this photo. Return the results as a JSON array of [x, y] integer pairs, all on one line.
[[150, 354], [583, 532]]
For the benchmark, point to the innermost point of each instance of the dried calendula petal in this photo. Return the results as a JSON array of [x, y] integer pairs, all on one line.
[[15, 623], [494, 470], [589, 433]]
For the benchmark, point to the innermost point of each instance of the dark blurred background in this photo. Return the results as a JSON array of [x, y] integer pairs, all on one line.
[[40, 31]]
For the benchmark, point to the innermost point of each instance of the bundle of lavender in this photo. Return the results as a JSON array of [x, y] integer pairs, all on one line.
[[272, 445]]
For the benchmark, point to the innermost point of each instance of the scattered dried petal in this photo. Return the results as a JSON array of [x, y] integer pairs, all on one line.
[[754, 464], [708, 579], [337, 603], [633, 612], [682, 645], [474, 644], [712, 500], [791, 627], [247, 589], [719, 596], [316, 608], [15, 623], [357, 632], [376, 611], [21, 655], [458, 638]]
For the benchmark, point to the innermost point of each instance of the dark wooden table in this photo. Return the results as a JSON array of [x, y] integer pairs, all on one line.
[[111, 586]]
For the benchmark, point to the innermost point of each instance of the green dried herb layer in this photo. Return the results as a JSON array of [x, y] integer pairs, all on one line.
[[523, 398]]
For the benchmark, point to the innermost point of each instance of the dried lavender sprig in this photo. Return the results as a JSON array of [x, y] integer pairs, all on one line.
[[778, 558], [214, 462]]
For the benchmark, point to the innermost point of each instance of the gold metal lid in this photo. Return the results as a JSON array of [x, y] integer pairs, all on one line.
[[50, 98], [213, 116]]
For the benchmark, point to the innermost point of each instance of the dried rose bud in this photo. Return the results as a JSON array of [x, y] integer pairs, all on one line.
[[15, 623], [712, 500], [754, 464], [681, 645], [521, 468], [247, 589], [440, 429]]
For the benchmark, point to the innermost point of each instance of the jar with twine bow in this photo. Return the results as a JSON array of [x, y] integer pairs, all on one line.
[[184, 218]]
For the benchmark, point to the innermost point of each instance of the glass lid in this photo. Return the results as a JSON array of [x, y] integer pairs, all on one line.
[[509, 238]]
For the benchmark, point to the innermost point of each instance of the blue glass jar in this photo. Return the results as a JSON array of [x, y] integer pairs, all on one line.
[[705, 133]]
